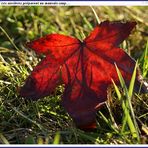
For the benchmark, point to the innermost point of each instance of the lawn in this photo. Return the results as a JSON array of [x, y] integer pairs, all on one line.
[[124, 117]]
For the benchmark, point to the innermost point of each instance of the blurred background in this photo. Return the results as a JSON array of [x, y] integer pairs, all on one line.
[[40, 122]]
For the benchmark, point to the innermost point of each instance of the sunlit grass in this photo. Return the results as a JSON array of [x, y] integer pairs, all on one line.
[[122, 120]]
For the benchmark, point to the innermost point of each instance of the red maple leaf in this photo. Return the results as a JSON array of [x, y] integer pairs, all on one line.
[[85, 68]]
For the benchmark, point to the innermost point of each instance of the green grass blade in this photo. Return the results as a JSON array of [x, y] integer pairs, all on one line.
[[127, 118], [126, 104], [97, 18], [57, 138], [9, 38], [132, 82], [29, 140], [122, 82], [86, 21], [145, 61], [112, 120], [130, 93], [88, 137], [21, 114], [108, 122], [117, 90], [3, 139]]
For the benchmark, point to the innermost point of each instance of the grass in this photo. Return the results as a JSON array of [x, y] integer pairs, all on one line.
[[124, 117]]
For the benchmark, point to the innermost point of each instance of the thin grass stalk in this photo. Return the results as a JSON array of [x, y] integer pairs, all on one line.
[[96, 16], [9, 38], [126, 105]]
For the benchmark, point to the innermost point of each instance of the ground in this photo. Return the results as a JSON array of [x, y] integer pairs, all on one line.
[[45, 121]]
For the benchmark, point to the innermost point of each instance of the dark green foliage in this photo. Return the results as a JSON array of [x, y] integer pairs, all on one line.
[[45, 121]]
